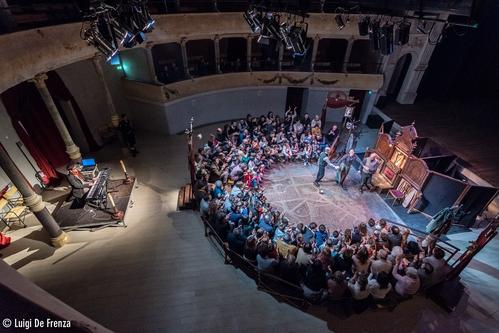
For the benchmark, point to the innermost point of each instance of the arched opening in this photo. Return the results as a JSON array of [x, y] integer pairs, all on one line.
[[398, 77]]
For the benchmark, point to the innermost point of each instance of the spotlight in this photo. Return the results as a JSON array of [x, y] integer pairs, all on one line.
[[374, 34], [272, 25], [254, 20], [386, 39], [284, 31], [264, 40], [339, 21], [364, 26], [94, 38], [298, 38], [402, 33], [111, 24]]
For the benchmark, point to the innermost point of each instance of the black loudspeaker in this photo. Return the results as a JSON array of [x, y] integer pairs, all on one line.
[[374, 35], [364, 27], [402, 33], [374, 121], [386, 39]]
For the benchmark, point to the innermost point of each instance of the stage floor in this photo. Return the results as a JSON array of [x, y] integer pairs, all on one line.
[[290, 189]]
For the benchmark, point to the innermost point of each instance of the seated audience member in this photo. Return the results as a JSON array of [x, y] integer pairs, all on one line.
[[361, 261], [394, 237], [304, 255], [289, 269], [264, 262], [315, 282], [336, 286], [250, 248], [381, 264], [406, 285], [438, 266], [204, 205], [343, 262], [236, 241], [325, 258], [379, 286], [321, 235], [359, 291]]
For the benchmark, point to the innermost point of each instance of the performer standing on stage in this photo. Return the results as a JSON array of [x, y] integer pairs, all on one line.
[[369, 166], [345, 162], [323, 161]]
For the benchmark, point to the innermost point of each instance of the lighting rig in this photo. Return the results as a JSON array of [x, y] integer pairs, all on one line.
[[109, 25], [290, 31]]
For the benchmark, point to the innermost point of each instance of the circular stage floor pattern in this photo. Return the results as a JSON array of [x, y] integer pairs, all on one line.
[[290, 189]]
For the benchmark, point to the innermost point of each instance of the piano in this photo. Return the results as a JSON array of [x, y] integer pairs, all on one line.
[[97, 195]]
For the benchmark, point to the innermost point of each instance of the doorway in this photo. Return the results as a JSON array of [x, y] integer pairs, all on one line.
[[294, 97]]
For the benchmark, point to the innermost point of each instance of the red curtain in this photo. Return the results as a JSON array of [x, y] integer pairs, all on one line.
[[35, 127]]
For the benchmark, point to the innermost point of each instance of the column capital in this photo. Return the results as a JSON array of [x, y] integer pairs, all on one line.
[[39, 79], [74, 152], [97, 57]]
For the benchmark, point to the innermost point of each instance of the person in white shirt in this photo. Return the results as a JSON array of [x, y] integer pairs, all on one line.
[[381, 264], [379, 286], [358, 286], [408, 284]]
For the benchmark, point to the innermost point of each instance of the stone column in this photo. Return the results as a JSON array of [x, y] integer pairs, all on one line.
[[150, 64], [249, 44], [216, 42], [315, 47], [348, 51], [281, 53], [72, 149], [34, 201], [183, 48], [115, 117]]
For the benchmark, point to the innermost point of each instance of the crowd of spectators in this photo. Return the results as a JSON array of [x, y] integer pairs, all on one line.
[[365, 263]]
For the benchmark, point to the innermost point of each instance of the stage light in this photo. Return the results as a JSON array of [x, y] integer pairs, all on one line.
[[298, 38], [402, 33], [111, 24], [284, 31], [94, 37], [364, 26], [140, 37], [121, 34], [254, 20], [115, 60], [264, 40], [339, 21], [386, 39], [374, 34]]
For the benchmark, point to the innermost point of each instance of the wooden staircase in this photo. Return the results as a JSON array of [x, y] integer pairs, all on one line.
[[185, 198]]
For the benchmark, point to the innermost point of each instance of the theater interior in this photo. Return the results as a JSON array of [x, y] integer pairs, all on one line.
[[249, 166]]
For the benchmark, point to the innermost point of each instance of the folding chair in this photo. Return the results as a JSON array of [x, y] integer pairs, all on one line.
[[14, 197], [10, 214]]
